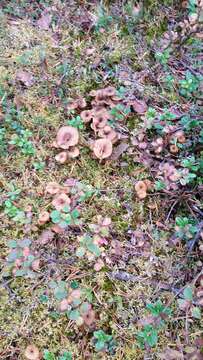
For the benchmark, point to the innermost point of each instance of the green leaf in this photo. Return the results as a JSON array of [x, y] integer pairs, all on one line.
[[196, 312], [60, 293], [75, 214], [66, 209], [55, 216], [48, 355], [74, 315], [94, 249], [100, 345], [12, 244], [80, 252], [53, 284], [66, 356], [74, 284], [188, 293], [20, 272]]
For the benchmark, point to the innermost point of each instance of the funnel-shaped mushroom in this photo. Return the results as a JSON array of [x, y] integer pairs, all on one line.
[[102, 148], [32, 353], [52, 188], [61, 157], [67, 136]]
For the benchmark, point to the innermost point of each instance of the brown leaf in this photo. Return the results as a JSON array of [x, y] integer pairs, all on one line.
[[44, 21], [45, 237], [139, 106], [25, 77], [119, 150]]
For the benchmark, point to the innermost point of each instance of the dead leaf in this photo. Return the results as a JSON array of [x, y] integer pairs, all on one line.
[[45, 237], [119, 150], [25, 77], [171, 354], [139, 106], [44, 21]]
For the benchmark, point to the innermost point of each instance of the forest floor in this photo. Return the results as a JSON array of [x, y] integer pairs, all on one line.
[[101, 245]]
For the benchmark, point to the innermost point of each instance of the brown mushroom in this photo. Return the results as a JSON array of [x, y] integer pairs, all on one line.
[[43, 218], [52, 188], [73, 152], [67, 136], [180, 136], [60, 201], [32, 353], [100, 119], [78, 103], [174, 149], [141, 189], [102, 148], [86, 116], [108, 133], [57, 229], [89, 317], [61, 157]]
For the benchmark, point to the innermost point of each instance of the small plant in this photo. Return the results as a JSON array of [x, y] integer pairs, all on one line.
[[185, 228], [48, 355], [22, 142], [21, 261], [65, 217], [103, 20], [148, 336], [76, 122], [163, 57], [186, 303], [72, 301], [104, 342], [14, 212], [189, 85]]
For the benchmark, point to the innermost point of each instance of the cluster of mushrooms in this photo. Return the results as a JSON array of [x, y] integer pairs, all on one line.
[[97, 117]]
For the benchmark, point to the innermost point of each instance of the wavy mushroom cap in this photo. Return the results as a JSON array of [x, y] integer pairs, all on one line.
[[102, 148], [67, 136], [140, 186], [108, 133], [86, 116], [61, 157], [60, 201], [52, 188], [32, 353]]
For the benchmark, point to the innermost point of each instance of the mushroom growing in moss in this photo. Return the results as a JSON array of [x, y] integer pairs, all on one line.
[[86, 116], [52, 188], [141, 189], [60, 201], [108, 133], [43, 218], [32, 353], [61, 157], [67, 136], [102, 148], [109, 91]]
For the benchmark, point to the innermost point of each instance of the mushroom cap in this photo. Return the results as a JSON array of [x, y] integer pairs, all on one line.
[[109, 91], [60, 201], [61, 157], [67, 136], [108, 133], [43, 217], [74, 152], [102, 148], [52, 188], [141, 189], [64, 305], [32, 352], [86, 116]]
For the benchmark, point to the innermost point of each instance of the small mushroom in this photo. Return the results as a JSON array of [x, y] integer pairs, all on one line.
[[141, 189], [67, 136], [180, 136], [102, 148], [158, 145], [73, 152], [61, 157], [100, 119], [78, 103], [32, 353], [60, 201], [86, 116], [43, 218], [52, 188], [57, 229], [89, 317], [108, 133], [174, 149]]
